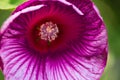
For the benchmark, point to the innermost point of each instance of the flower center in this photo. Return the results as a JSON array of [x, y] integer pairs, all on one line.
[[48, 31]]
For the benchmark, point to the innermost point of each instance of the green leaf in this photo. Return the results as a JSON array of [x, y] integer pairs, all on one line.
[[4, 14], [1, 76], [10, 4]]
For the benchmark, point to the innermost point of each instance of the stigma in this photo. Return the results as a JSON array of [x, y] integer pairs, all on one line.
[[48, 31]]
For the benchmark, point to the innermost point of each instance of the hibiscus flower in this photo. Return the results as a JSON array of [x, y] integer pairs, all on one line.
[[54, 40]]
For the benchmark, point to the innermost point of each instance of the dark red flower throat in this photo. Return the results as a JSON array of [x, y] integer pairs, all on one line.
[[53, 27], [45, 35]]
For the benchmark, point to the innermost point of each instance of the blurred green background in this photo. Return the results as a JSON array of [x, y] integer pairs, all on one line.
[[110, 11]]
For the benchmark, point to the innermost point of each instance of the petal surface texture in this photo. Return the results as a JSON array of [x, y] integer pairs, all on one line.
[[78, 53]]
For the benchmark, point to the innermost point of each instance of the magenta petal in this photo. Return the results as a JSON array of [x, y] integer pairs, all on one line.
[[79, 52], [1, 64]]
